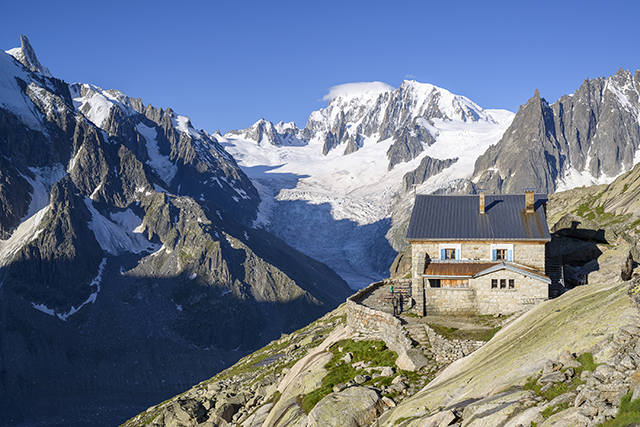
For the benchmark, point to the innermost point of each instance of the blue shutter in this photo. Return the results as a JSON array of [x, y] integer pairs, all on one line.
[[494, 254], [457, 254], [442, 254], [510, 255]]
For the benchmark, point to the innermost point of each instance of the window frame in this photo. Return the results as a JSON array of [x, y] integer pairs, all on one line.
[[444, 247], [493, 251]]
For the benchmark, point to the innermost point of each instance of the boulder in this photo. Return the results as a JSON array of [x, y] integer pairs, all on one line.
[[529, 417], [554, 377], [353, 407], [571, 417], [411, 360]]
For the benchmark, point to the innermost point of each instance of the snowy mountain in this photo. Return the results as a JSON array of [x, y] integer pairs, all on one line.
[[589, 137], [127, 265], [339, 189], [348, 176]]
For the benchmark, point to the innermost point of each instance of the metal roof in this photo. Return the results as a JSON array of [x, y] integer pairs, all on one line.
[[446, 218]]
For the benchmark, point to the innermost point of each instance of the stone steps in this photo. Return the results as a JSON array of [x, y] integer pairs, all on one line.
[[418, 334]]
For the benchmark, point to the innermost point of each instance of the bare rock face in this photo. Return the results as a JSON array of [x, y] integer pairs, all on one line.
[[127, 263], [27, 57], [428, 168], [593, 132]]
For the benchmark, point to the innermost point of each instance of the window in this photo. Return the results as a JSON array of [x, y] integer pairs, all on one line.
[[512, 284], [502, 252], [494, 283], [503, 283], [434, 283], [450, 251]]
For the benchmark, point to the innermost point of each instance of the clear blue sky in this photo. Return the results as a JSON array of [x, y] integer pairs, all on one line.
[[226, 64]]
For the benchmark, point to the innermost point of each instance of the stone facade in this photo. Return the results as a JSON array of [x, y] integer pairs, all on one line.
[[526, 293], [479, 297]]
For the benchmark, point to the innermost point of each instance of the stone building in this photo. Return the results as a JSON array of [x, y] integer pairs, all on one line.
[[478, 254]]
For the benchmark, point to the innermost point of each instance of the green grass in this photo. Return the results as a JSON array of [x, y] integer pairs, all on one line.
[[339, 371], [452, 333], [587, 362], [629, 412]]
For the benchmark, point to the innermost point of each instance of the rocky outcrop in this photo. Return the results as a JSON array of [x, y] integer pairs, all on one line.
[[126, 263], [590, 136], [402, 114], [428, 168], [27, 57], [353, 407]]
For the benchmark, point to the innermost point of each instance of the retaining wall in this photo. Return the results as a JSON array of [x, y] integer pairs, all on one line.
[[448, 351], [375, 324]]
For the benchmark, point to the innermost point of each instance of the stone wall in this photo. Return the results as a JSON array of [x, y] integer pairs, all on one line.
[[374, 324], [448, 351], [526, 294], [454, 301]]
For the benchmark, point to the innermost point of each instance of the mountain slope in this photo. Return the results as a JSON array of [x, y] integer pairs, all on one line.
[[589, 137], [127, 267], [347, 177]]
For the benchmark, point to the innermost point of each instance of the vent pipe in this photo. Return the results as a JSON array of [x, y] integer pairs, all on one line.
[[528, 200], [481, 193]]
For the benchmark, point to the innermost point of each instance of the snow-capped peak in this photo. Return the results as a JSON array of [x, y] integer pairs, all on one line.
[[27, 57], [96, 103]]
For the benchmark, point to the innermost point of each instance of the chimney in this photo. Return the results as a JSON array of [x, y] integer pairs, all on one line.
[[528, 200], [481, 193]]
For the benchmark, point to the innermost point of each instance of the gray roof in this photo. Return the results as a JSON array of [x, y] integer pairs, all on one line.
[[458, 218]]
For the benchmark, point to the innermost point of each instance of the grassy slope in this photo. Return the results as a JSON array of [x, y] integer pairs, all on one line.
[[616, 205]]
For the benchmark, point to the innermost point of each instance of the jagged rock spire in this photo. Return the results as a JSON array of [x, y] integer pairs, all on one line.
[[27, 57]]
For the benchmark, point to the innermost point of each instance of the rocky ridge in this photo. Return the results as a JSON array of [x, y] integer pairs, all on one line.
[[127, 265], [402, 114], [589, 137]]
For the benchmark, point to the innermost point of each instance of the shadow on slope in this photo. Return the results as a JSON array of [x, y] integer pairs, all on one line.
[[360, 254]]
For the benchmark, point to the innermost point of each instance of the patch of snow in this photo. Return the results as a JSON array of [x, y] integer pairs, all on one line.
[[158, 189], [160, 164], [178, 307], [26, 232], [120, 234], [95, 192], [11, 96], [573, 178], [246, 236], [192, 276], [74, 159]]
